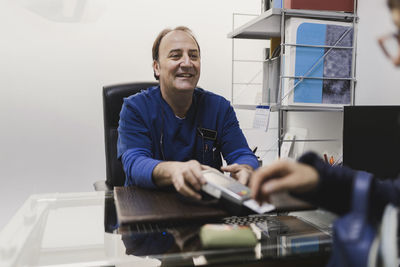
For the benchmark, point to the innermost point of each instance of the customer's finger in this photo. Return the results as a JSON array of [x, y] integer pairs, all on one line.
[[259, 177]]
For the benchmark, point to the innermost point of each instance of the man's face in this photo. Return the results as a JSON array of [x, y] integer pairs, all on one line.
[[178, 66]]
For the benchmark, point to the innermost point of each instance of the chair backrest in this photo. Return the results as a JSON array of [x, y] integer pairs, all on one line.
[[113, 96]]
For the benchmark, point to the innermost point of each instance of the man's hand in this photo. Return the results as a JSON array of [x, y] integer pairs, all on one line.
[[282, 175], [186, 177], [240, 172]]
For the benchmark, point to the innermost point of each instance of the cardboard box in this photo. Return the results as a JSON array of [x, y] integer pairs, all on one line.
[[337, 5]]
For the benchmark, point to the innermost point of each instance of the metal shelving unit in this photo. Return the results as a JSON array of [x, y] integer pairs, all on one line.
[[271, 23], [305, 108]]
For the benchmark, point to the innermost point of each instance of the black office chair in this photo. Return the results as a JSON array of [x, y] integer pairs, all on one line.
[[113, 96]]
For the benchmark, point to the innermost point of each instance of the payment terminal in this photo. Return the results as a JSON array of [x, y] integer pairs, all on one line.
[[221, 186]]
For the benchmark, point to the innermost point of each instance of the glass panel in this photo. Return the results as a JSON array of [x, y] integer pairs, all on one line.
[[82, 229]]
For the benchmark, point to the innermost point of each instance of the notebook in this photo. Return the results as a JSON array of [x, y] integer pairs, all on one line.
[[138, 205]]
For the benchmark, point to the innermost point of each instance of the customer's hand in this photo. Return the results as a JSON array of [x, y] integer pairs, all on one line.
[[282, 175], [240, 172], [186, 177]]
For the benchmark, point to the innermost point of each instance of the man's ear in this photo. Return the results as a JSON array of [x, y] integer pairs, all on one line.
[[156, 68]]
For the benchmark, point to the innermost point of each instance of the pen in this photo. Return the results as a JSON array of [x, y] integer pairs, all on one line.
[[326, 158], [213, 152], [331, 160], [255, 149]]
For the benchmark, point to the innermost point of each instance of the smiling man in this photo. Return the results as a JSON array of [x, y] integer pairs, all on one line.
[[169, 133]]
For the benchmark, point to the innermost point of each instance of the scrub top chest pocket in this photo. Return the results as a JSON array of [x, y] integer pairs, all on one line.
[[209, 152]]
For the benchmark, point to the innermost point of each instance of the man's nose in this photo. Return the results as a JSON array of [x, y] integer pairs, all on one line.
[[186, 61]]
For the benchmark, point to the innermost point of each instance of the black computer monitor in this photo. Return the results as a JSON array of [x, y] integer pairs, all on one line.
[[371, 139]]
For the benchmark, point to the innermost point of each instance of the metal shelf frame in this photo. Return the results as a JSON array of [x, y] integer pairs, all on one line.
[[271, 23], [268, 24], [282, 110]]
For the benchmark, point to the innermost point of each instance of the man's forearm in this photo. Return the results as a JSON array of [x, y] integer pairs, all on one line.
[[138, 169], [162, 175]]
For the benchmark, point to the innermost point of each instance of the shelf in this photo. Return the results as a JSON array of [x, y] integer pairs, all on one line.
[[265, 26], [250, 60], [275, 107], [312, 140], [248, 83], [307, 108], [244, 106], [268, 24], [318, 78]]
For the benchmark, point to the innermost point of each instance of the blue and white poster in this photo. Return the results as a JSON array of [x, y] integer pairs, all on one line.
[[324, 64]]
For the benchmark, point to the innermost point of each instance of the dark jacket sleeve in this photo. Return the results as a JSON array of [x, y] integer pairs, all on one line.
[[335, 186]]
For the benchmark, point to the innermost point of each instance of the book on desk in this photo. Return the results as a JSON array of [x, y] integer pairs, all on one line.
[[138, 205]]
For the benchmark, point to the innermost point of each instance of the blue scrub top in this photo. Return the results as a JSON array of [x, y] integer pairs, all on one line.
[[149, 132]]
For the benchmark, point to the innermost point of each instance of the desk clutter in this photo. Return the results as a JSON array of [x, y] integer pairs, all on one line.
[[164, 214], [139, 205], [274, 225], [147, 230], [271, 236], [222, 196]]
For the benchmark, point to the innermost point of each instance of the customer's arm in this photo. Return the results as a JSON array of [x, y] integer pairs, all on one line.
[[329, 187], [309, 179], [335, 188]]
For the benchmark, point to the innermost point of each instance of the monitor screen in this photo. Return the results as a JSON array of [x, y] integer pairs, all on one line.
[[371, 139]]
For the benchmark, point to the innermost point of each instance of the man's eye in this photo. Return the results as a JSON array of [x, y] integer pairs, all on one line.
[[194, 56], [175, 55]]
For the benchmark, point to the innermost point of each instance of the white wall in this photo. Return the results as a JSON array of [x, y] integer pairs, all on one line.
[[379, 80], [55, 56], [54, 61]]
